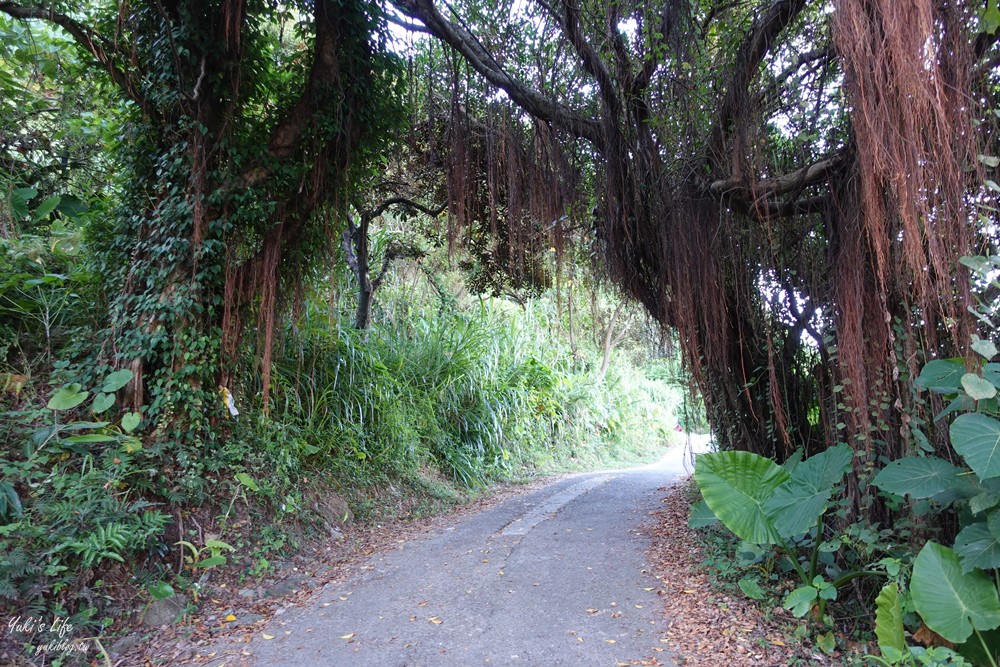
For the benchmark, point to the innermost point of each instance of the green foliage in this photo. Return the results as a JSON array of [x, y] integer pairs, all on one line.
[[207, 556], [751, 588], [69, 507], [919, 477], [735, 486], [120, 232], [953, 602], [766, 504], [701, 516], [479, 394], [951, 588], [889, 621], [796, 505]]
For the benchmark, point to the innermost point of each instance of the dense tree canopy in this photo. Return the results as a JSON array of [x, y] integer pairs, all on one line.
[[245, 123], [789, 184], [200, 201]]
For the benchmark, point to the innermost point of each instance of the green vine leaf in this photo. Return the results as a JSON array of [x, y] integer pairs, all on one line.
[[986, 348], [977, 547], [116, 381], [977, 388], [977, 438], [102, 402], [131, 421], [801, 600]]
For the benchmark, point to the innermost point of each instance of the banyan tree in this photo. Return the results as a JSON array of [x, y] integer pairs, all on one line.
[[788, 185], [244, 125]]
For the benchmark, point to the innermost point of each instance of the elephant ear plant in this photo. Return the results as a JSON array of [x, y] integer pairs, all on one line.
[[954, 588], [765, 504]]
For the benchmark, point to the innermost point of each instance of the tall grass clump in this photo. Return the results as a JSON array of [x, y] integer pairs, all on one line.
[[481, 394]]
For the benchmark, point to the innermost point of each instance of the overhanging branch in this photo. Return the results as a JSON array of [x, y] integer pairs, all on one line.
[[88, 39], [776, 186], [403, 201], [756, 45], [817, 56], [460, 39]]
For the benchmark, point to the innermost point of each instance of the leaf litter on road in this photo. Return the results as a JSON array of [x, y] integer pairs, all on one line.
[[707, 628]]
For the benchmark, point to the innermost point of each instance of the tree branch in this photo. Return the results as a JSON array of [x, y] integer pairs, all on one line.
[[323, 76], [589, 57], [768, 209], [657, 51], [459, 38], [821, 55], [623, 62], [347, 241], [88, 39], [406, 25], [609, 342], [778, 185], [386, 263], [403, 201], [762, 36]]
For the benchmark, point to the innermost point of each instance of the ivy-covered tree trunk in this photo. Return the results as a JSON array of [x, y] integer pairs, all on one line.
[[245, 119]]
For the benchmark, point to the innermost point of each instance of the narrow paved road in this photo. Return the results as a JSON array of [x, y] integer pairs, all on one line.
[[553, 577]]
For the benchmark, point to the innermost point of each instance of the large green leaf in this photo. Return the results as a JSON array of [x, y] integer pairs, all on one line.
[[993, 523], [942, 376], [991, 372], [797, 504], [68, 397], [131, 421], [977, 438], [116, 380], [977, 547], [977, 388], [89, 438], [10, 502], [889, 619], [46, 207], [735, 486], [102, 403], [247, 481], [700, 516], [960, 403], [952, 602], [161, 590], [983, 501], [989, 22], [918, 477], [71, 205], [211, 561], [974, 651], [751, 587], [984, 347], [19, 199]]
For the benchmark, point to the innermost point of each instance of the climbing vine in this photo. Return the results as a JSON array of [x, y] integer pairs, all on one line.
[[243, 121]]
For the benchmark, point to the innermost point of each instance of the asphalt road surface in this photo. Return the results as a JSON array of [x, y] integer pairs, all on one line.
[[557, 576]]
